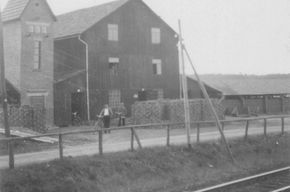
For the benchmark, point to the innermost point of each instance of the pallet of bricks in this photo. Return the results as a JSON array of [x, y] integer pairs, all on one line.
[[172, 111], [28, 117]]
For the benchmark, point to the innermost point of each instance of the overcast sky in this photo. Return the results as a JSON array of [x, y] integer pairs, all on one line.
[[223, 36]]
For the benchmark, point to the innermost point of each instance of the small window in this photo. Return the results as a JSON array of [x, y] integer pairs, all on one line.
[[37, 29], [155, 36], [44, 29], [157, 66], [114, 65], [37, 55], [114, 97], [31, 28], [113, 32]]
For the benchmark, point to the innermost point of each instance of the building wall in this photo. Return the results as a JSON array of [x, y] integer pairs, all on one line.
[[20, 55], [69, 57], [135, 51], [12, 51]]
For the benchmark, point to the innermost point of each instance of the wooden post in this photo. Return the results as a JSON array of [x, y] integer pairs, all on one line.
[[4, 96], [60, 146], [185, 89], [223, 126], [198, 133], [101, 141], [132, 139], [265, 127], [137, 138], [168, 136], [202, 87], [283, 125], [247, 129]]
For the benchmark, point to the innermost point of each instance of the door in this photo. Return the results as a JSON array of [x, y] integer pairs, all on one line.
[[78, 105]]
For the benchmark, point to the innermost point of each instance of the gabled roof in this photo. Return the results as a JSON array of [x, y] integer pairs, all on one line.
[[76, 22], [248, 85], [15, 8]]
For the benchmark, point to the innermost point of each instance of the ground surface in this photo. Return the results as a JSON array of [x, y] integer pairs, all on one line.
[[173, 169]]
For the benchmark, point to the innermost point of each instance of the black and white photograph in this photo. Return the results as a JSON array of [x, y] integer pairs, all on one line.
[[144, 95]]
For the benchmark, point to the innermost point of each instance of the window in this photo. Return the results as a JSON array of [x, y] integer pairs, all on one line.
[[113, 32], [37, 101], [37, 55], [114, 65], [157, 66], [114, 97], [155, 36], [44, 29], [37, 29], [31, 29]]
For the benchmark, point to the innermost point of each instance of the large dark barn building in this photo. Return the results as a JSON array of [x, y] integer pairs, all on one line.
[[79, 61]]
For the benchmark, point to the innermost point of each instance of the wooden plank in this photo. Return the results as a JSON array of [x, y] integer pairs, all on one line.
[[198, 133], [132, 139], [247, 129], [265, 127], [137, 139], [24, 135], [60, 146], [168, 136], [100, 142], [283, 125]]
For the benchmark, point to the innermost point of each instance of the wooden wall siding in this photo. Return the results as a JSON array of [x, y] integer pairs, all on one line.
[[69, 56], [135, 51]]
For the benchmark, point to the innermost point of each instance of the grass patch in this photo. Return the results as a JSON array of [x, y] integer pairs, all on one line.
[[152, 169]]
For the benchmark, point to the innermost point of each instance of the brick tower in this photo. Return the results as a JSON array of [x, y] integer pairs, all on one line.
[[28, 44]]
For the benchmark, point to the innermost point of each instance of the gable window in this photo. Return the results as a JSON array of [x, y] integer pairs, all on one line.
[[44, 29], [37, 55], [155, 35], [114, 97], [113, 32], [157, 66], [114, 65], [38, 28]]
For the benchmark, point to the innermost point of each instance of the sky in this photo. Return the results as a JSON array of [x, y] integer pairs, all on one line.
[[222, 36]]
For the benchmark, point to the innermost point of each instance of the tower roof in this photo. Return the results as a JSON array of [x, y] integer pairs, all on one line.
[[15, 8]]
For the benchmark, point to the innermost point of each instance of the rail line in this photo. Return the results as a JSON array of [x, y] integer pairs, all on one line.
[[272, 181]]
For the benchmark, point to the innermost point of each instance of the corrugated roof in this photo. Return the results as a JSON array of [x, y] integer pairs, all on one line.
[[14, 9], [248, 85], [76, 22]]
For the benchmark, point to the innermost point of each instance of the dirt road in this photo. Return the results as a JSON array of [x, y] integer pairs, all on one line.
[[91, 149]]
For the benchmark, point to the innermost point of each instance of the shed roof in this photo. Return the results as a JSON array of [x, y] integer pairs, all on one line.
[[248, 85], [76, 22]]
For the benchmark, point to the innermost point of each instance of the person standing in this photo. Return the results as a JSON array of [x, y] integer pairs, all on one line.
[[106, 113]]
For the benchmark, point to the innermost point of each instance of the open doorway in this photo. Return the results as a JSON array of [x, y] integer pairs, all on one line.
[[78, 107]]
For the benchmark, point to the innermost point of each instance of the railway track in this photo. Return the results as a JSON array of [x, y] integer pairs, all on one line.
[[273, 181]]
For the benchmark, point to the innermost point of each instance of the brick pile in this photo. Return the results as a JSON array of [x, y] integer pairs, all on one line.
[[173, 111]]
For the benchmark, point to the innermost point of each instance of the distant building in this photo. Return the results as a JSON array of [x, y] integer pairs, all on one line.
[[78, 61], [250, 95]]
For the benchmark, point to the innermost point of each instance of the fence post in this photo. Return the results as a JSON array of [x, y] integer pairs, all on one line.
[[60, 146], [11, 154], [132, 139], [283, 125], [101, 142], [198, 133], [247, 129], [168, 136], [265, 127]]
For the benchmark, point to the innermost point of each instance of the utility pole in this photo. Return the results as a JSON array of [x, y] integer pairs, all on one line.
[[204, 91], [184, 88], [4, 94]]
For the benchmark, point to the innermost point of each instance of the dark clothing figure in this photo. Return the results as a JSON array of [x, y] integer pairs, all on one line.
[[106, 113]]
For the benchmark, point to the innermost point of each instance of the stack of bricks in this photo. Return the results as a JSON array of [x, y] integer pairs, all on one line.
[[173, 111], [27, 117]]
